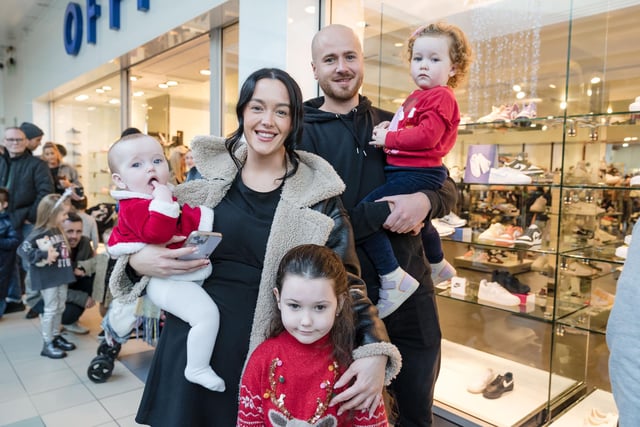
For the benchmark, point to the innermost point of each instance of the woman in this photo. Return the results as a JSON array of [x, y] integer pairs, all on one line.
[[63, 175], [177, 164], [267, 198]]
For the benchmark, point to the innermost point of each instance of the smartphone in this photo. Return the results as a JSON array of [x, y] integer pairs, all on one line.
[[205, 242]]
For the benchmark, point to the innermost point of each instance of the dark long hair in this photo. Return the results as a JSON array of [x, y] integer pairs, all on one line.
[[295, 104], [316, 262]]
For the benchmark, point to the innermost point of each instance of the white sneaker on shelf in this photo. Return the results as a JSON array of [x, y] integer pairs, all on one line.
[[442, 228], [584, 208], [506, 175], [635, 180], [453, 220], [491, 234], [531, 238], [495, 293], [621, 251], [478, 384]]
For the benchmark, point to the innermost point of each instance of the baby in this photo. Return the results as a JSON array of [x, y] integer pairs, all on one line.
[[150, 215]]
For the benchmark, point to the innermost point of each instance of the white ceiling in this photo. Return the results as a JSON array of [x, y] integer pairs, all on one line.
[[16, 18]]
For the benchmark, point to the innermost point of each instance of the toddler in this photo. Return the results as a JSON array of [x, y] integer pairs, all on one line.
[[150, 215], [421, 133], [47, 254], [9, 241]]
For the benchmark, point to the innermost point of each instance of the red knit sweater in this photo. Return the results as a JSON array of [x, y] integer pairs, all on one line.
[[427, 129], [300, 379]]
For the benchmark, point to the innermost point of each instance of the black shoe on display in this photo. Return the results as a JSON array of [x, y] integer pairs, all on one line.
[[60, 342], [502, 384], [509, 282], [14, 307], [50, 351]]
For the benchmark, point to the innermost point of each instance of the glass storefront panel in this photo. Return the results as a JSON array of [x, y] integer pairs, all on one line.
[[229, 81], [86, 122]]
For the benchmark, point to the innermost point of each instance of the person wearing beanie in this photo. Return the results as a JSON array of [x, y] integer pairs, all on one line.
[[34, 135]]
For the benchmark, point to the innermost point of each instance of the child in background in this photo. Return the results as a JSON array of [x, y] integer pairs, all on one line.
[[421, 133], [290, 376], [47, 254], [149, 214], [9, 241]]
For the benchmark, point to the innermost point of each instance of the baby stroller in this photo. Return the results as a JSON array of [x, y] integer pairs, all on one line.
[[117, 324]]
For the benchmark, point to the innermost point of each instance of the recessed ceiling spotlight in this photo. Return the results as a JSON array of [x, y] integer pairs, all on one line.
[[517, 88], [106, 88], [520, 95], [99, 90], [552, 86], [82, 97], [134, 78], [172, 83], [163, 86], [138, 93], [595, 80], [310, 10], [398, 44], [205, 72], [114, 101]]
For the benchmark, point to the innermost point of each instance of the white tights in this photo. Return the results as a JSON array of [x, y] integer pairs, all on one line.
[[188, 301]]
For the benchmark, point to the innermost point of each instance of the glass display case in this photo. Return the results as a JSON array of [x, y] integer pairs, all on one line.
[[551, 96]]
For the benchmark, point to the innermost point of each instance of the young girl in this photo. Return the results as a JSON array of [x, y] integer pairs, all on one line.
[[421, 133], [289, 379], [46, 251]]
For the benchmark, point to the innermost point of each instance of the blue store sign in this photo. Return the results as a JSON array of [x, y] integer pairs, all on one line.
[[74, 24]]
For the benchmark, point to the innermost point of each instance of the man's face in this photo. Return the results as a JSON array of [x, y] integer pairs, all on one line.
[[34, 143], [73, 231], [15, 142], [338, 63]]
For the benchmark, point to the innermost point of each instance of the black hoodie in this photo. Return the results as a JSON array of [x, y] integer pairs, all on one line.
[[342, 140]]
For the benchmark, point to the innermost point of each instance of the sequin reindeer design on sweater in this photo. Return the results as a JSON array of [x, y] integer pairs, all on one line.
[[279, 420]]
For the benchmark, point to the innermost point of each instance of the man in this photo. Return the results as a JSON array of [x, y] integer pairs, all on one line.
[[28, 180], [339, 127], [33, 134], [79, 293]]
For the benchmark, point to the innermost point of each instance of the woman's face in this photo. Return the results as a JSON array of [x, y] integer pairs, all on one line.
[[49, 155], [267, 119], [188, 160]]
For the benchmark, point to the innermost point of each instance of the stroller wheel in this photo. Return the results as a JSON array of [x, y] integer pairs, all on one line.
[[100, 369], [110, 351]]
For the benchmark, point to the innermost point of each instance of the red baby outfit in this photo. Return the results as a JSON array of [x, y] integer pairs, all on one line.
[[143, 220], [285, 379]]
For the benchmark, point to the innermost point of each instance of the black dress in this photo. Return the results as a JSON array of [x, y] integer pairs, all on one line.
[[244, 218]]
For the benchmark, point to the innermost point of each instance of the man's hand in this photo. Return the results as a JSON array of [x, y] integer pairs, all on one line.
[[366, 391], [407, 211], [154, 260]]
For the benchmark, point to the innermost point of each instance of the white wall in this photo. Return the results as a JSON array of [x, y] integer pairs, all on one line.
[[43, 64]]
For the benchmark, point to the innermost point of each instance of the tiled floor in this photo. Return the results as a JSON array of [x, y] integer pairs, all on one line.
[[37, 391]]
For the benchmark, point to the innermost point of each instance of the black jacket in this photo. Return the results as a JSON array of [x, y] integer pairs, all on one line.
[[28, 180], [9, 241], [342, 140]]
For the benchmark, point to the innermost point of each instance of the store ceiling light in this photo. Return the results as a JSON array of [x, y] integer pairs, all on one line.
[[517, 88], [114, 101], [106, 88], [99, 90], [398, 44], [520, 95], [81, 97], [172, 83], [163, 85], [205, 72], [595, 80], [138, 93], [134, 78], [310, 10]]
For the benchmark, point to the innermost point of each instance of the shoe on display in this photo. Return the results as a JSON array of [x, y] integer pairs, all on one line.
[[478, 384], [493, 115], [528, 112], [597, 418], [579, 269], [495, 293], [621, 251], [531, 238], [539, 205], [602, 236], [507, 114], [52, 352], [442, 229], [489, 236], [500, 385], [635, 180], [635, 106], [510, 282], [75, 328], [60, 342], [453, 220], [508, 238], [506, 175], [394, 293], [442, 271], [506, 209]]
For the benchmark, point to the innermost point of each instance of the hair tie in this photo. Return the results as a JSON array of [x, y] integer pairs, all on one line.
[[418, 31], [65, 195]]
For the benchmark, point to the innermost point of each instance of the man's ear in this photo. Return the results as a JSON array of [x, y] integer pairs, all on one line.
[[315, 73], [117, 180]]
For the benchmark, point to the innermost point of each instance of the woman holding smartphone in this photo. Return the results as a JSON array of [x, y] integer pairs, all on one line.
[[267, 198]]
